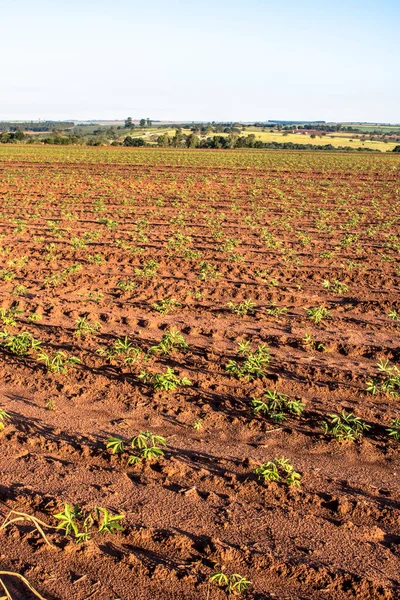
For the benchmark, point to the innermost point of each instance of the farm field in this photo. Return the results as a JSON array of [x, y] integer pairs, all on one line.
[[335, 139], [180, 333]]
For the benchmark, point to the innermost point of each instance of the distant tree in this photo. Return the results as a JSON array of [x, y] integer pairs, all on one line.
[[192, 141], [163, 140], [129, 123], [178, 138], [396, 149], [143, 122], [148, 122], [132, 141]]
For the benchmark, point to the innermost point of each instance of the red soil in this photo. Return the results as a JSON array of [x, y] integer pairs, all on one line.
[[201, 508]]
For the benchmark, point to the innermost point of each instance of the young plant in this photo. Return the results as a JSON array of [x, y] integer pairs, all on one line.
[[124, 349], [35, 317], [308, 343], [393, 431], [243, 308], [317, 314], [197, 424], [19, 343], [7, 317], [4, 417], [208, 271], [125, 285], [71, 521], [388, 382], [108, 523], [58, 362], [336, 286], [144, 446], [74, 522], [166, 382], [276, 311], [165, 306], [234, 584], [86, 328], [171, 340], [276, 406], [345, 426], [253, 365], [278, 469], [147, 270]]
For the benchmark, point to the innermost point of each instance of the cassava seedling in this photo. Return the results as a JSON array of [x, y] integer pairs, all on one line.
[[253, 365], [4, 417], [171, 340], [234, 584], [345, 426], [394, 430], [208, 272], [8, 317], [86, 328], [144, 446], [336, 286], [58, 362], [166, 382], [243, 308], [19, 343], [317, 314], [388, 381], [73, 521], [276, 406], [277, 469], [165, 306]]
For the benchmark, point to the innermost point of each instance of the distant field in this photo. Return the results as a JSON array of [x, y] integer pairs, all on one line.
[[340, 139], [337, 139]]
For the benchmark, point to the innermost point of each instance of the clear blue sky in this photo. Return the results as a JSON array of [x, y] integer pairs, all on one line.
[[200, 59]]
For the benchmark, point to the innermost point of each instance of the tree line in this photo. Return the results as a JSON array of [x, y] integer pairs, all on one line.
[[32, 126], [232, 141]]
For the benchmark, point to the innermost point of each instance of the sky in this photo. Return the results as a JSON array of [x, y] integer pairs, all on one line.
[[201, 60]]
